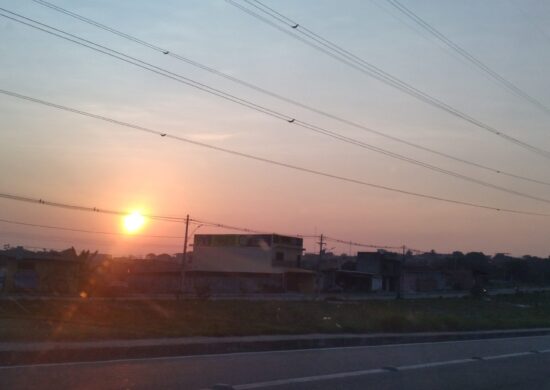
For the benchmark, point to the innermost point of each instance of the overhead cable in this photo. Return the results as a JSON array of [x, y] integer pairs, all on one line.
[[69, 229], [350, 59], [468, 56], [262, 109], [265, 160], [165, 51]]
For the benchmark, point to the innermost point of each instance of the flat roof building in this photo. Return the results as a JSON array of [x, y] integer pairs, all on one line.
[[247, 263]]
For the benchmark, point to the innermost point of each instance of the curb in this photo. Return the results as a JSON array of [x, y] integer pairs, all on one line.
[[64, 354]]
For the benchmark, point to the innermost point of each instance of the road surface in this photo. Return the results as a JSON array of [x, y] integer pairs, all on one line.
[[511, 363]]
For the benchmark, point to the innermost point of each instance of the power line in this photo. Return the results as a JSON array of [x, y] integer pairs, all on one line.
[[12, 222], [179, 57], [386, 77], [468, 56], [193, 221], [371, 70], [74, 207], [212, 224], [121, 213], [244, 229], [353, 243], [256, 107], [84, 208], [370, 246], [267, 160], [228, 227]]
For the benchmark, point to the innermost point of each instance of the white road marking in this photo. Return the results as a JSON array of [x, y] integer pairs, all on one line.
[[339, 375], [434, 364], [305, 379], [236, 354], [508, 355]]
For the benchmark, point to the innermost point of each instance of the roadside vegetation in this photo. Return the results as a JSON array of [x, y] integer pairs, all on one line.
[[41, 320]]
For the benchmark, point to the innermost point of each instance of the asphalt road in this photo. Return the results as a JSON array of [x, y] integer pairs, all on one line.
[[512, 363]]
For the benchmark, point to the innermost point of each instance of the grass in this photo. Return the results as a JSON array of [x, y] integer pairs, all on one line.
[[99, 320]]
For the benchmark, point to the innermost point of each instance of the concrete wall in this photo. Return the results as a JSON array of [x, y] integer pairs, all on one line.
[[369, 263], [244, 259], [290, 256], [39, 275], [424, 282], [8, 268], [299, 282], [158, 283], [231, 259], [57, 276], [212, 283]]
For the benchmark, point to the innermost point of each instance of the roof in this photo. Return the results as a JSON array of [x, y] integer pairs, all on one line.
[[20, 253], [246, 240]]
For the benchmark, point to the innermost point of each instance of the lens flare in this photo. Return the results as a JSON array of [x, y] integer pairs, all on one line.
[[133, 222]]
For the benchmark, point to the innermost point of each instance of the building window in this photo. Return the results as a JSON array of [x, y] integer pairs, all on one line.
[[279, 256]]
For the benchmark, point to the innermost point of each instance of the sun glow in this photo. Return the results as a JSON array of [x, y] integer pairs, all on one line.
[[133, 222]]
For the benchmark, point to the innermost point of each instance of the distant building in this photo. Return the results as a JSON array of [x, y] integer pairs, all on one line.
[[384, 268], [45, 272], [154, 277], [247, 263], [423, 278], [272, 249]]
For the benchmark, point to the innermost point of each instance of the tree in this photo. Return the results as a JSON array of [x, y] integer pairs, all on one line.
[[164, 257]]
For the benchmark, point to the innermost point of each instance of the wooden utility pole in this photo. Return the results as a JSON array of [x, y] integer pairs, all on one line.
[[322, 244], [401, 276], [184, 257], [184, 254]]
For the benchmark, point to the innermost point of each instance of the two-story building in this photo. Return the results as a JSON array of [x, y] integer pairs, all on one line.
[[247, 263]]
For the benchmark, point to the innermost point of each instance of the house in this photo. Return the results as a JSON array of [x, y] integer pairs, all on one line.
[[154, 276], [274, 249], [384, 268], [347, 281], [45, 272], [423, 278], [247, 263]]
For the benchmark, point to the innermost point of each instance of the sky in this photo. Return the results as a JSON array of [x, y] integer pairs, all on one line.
[[59, 156]]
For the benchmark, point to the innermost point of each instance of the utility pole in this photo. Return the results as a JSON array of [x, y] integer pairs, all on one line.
[[401, 276], [184, 258], [184, 254], [322, 244]]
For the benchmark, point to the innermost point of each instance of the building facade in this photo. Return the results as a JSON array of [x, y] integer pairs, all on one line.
[[384, 268], [265, 249], [44, 272], [247, 263]]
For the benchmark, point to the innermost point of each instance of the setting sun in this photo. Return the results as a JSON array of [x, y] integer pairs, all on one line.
[[133, 222]]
